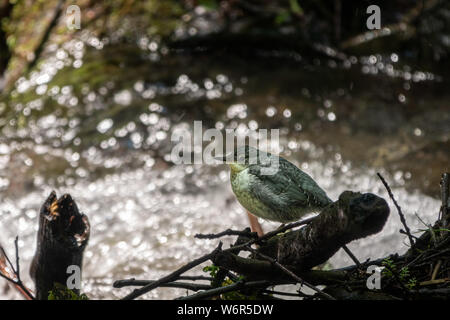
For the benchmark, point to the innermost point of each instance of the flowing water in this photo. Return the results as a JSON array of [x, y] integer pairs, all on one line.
[[96, 119]]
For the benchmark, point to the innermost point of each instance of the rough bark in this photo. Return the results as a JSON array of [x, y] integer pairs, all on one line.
[[62, 237]]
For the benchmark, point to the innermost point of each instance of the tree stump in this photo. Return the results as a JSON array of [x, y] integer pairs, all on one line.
[[62, 237]]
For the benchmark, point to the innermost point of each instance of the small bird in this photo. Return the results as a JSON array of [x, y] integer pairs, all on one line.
[[284, 196]]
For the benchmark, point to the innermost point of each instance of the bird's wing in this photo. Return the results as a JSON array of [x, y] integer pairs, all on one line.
[[289, 186], [306, 183], [276, 190]]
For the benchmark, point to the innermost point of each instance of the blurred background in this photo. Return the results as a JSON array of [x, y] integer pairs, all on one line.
[[90, 111]]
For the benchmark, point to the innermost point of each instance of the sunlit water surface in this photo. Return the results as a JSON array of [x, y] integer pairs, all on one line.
[[107, 143], [144, 221]]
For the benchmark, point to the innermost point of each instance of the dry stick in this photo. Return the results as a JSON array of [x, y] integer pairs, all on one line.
[[399, 210], [228, 232], [436, 269], [19, 286], [444, 194], [16, 245], [288, 294], [293, 275], [183, 285], [445, 182], [437, 254], [134, 282], [173, 276], [191, 278], [270, 234], [195, 278], [16, 271], [352, 256], [232, 287]]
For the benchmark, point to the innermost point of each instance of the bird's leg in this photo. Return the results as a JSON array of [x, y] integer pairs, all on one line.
[[254, 224]]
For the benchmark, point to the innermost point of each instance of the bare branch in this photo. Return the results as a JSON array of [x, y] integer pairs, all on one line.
[[399, 210], [445, 190], [270, 234], [232, 287], [227, 232], [16, 244], [352, 256], [182, 285], [14, 277]]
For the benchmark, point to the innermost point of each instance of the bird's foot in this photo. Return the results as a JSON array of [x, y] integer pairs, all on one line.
[[254, 224]]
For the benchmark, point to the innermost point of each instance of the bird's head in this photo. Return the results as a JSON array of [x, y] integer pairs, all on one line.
[[243, 157]]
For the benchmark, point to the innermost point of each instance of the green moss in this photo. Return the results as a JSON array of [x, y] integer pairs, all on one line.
[[212, 270], [61, 292]]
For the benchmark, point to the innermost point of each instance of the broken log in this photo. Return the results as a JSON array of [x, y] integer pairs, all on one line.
[[352, 217], [62, 237]]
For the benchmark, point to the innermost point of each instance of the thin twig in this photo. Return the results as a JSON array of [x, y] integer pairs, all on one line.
[[291, 274], [270, 234], [195, 278], [227, 232], [183, 285], [3, 253], [14, 278], [352, 256], [436, 269], [221, 290], [434, 255], [414, 237], [288, 294], [16, 244], [399, 210], [445, 185]]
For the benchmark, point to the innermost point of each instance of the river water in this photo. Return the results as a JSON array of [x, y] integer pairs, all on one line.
[[96, 119]]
